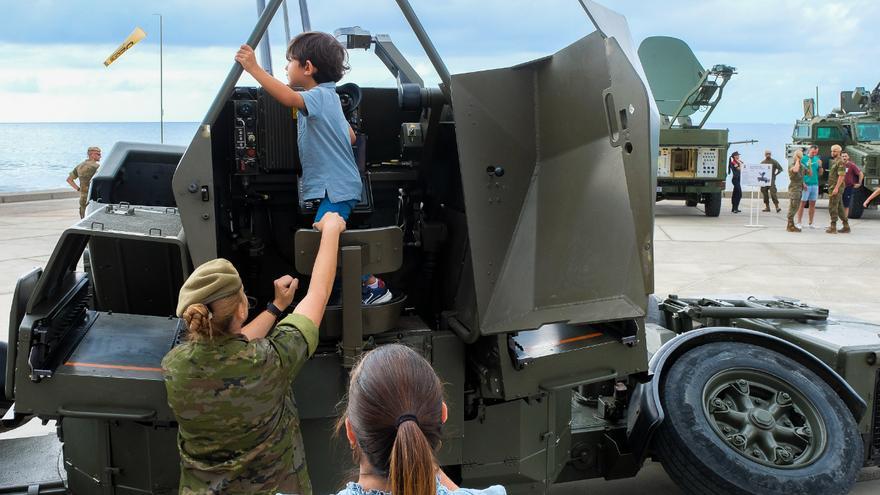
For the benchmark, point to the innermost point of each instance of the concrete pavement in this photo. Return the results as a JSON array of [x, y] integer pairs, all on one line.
[[694, 255]]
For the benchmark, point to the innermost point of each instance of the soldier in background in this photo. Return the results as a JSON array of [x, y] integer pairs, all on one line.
[[836, 185], [771, 189], [795, 188], [84, 172]]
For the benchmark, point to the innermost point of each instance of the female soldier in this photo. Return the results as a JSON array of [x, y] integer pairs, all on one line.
[[230, 385], [393, 423]]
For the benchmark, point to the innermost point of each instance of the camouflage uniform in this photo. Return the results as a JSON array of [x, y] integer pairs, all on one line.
[[233, 400], [795, 190], [84, 172], [769, 192], [835, 205]]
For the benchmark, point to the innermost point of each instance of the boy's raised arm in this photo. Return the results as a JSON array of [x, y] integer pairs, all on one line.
[[276, 88]]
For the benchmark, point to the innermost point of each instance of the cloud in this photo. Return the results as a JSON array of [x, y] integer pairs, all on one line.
[[52, 50]]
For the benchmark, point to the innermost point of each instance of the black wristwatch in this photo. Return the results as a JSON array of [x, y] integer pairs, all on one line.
[[274, 310]]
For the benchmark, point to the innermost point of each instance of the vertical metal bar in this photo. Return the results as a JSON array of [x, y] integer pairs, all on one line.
[[304, 15], [286, 22], [234, 73], [352, 320], [265, 52], [427, 45], [161, 82]]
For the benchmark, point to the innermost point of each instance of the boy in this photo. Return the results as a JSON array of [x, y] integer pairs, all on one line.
[[316, 61]]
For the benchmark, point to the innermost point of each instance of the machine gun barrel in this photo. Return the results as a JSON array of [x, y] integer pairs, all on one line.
[[745, 141], [236, 70], [427, 45]]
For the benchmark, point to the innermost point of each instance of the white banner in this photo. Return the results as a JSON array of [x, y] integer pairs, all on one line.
[[756, 175]]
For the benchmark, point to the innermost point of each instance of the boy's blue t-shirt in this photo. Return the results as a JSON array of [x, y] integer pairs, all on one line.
[[328, 166], [813, 163]]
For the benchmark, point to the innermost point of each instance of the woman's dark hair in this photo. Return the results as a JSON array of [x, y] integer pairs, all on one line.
[[395, 403], [327, 54]]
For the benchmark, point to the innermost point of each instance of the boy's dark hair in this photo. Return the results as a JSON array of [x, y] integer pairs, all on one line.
[[327, 54]]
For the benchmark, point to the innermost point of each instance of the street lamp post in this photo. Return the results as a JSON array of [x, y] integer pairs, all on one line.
[[161, 85]]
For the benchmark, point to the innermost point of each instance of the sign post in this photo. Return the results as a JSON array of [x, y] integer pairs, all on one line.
[[755, 176]]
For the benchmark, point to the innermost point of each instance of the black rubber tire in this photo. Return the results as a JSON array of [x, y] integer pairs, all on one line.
[[2, 375], [856, 209], [691, 202], [700, 462], [713, 204]]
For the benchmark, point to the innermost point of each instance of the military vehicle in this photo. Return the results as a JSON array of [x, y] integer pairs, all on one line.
[[482, 201], [855, 126], [692, 163]]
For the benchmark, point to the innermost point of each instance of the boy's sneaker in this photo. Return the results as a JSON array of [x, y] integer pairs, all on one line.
[[375, 295]]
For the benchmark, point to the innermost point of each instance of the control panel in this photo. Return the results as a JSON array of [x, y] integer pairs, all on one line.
[[245, 137]]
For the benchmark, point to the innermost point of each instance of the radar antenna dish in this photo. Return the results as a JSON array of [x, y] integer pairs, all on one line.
[[680, 84]]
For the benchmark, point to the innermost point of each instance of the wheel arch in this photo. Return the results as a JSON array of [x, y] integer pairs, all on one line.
[[646, 413]]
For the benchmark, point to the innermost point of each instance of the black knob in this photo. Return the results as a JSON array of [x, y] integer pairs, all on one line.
[[496, 171]]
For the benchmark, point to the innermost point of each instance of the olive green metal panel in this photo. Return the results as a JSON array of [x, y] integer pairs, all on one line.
[[673, 72], [535, 232], [717, 138]]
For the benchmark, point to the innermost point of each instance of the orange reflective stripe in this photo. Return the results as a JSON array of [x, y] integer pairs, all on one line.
[[111, 366]]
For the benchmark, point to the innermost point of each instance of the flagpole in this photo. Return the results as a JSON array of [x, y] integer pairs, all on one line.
[[161, 84]]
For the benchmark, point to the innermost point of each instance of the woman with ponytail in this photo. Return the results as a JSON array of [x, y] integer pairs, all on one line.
[[229, 384], [393, 422]]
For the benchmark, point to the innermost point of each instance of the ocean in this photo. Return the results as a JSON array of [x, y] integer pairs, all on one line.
[[39, 156]]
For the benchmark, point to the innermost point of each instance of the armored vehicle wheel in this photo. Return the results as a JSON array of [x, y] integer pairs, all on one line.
[[856, 209], [690, 202], [713, 204], [744, 419]]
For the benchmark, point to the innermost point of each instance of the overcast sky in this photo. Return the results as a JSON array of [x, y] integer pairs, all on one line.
[[51, 67]]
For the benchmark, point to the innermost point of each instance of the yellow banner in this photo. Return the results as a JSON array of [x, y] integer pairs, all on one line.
[[135, 36]]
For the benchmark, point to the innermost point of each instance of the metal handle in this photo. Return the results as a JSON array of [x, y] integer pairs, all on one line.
[[551, 385], [97, 413]]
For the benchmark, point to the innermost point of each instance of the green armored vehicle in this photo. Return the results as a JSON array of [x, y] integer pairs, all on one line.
[[692, 163], [481, 202], [856, 127]]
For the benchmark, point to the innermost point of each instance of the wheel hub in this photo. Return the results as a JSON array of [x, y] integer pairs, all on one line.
[[764, 418]]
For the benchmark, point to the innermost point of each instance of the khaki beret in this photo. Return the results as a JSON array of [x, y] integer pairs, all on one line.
[[93, 148], [767, 152], [209, 282]]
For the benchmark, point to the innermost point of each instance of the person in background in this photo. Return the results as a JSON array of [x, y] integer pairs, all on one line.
[[871, 197], [836, 185], [393, 422], [734, 167], [795, 189], [84, 172], [770, 190], [811, 185], [853, 181]]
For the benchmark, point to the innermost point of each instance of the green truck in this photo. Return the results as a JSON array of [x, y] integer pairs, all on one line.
[[855, 126], [692, 165]]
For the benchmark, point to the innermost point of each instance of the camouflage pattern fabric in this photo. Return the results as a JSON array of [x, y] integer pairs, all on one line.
[[795, 189], [84, 172], [238, 426], [835, 203]]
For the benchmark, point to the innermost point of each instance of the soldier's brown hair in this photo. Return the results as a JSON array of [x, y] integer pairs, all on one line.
[[327, 54], [395, 407], [206, 322]]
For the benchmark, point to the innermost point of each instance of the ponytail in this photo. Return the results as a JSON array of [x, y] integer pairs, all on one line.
[[411, 471], [395, 410]]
